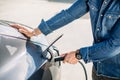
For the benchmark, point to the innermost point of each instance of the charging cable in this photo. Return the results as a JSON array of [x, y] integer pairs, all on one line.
[[62, 58]]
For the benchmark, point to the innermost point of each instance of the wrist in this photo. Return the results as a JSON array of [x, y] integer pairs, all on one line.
[[78, 55], [36, 32]]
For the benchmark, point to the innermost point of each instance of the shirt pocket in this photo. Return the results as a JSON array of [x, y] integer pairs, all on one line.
[[109, 20], [115, 60], [93, 10], [92, 6]]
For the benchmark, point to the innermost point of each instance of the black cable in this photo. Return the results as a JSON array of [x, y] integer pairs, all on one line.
[[62, 58], [85, 71]]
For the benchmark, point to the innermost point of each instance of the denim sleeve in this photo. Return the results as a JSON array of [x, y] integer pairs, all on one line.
[[78, 9], [105, 49]]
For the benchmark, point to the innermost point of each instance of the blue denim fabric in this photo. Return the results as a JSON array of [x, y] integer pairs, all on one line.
[[105, 21]]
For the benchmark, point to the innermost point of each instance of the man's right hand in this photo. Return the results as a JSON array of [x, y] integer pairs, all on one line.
[[26, 32]]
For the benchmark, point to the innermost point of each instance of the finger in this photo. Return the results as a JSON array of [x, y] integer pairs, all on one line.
[[15, 26], [66, 60], [73, 62], [26, 33], [63, 55], [23, 31]]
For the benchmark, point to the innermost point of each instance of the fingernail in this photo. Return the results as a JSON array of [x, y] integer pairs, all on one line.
[[20, 29]]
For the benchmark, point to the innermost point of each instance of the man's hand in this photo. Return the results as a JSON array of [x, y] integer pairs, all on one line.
[[70, 57], [26, 32]]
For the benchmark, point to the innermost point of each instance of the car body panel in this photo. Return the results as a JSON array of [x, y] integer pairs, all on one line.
[[20, 59]]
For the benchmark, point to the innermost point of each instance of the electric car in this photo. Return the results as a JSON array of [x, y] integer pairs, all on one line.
[[21, 59]]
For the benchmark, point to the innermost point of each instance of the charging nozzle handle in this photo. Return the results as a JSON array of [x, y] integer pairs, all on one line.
[[60, 58]]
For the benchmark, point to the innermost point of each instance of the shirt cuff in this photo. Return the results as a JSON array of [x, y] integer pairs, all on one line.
[[84, 52], [44, 27]]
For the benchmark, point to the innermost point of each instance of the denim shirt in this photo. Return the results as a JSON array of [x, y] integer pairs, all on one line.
[[105, 21]]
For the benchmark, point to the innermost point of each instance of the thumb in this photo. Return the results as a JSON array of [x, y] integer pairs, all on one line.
[[63, 55], [23, 31]]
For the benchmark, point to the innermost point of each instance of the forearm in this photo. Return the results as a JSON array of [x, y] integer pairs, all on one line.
[[78, 9], [104, 49], [100, 51]]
